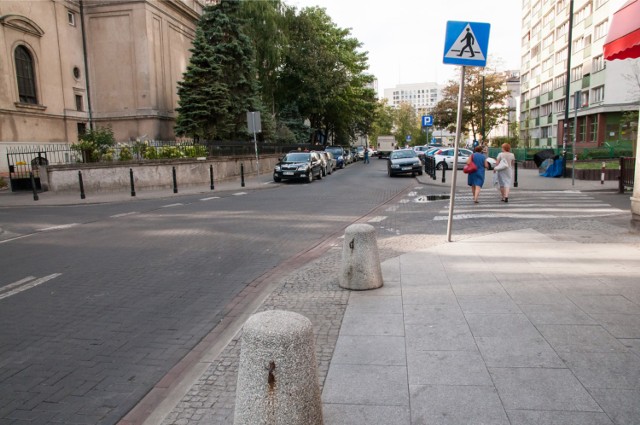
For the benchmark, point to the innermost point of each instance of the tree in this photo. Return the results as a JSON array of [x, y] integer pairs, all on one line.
[[220, 84], [495, 95], [407, 123], [382, 123]]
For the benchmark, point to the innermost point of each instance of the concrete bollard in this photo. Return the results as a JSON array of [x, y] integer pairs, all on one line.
[[277, 374], [360, 259]]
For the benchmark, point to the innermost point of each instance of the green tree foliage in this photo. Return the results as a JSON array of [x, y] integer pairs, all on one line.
[[323, 74], [495, 94], [407, 123], [220, 84], [94, 143], [383, 121]]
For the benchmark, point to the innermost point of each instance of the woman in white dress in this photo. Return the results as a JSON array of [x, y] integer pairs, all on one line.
[[505, 175]]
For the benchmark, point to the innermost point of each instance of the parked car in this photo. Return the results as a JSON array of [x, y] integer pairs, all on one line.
[[360, 150], [354, 154], [421, 151], [298, 166], [444, 158], [338, 155], [328, 163], [348, 157], [404, 161]]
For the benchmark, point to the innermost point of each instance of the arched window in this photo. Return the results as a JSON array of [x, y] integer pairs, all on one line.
[[25, 75]]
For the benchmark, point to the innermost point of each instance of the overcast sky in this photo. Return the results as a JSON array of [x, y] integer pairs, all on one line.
[[405, 38]]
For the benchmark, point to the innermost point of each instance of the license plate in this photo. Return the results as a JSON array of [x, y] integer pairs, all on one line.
[[406, 168], [288, 173]]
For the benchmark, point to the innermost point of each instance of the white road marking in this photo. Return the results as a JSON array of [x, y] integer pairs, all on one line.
[[412, 193], [239, 193], [377, 219], [507, 215], [31, 284], [208, 199], [18, 283], [61, 227], [172, 205], [124, 214], [392, 208]]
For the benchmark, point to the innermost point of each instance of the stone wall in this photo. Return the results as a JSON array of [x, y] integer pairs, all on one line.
[[100, 177]]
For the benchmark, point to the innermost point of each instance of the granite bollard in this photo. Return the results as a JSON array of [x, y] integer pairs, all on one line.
[[277, 374], [360, 259]]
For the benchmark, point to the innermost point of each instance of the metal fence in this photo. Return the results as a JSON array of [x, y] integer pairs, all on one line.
[[627, 173]]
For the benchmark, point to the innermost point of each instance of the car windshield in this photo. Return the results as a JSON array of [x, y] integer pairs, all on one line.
[[296, 157], [335, 151], [403, 154]]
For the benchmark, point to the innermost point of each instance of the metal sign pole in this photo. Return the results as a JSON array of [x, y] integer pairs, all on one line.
[[255, 142], [455, 156], [576, 105]]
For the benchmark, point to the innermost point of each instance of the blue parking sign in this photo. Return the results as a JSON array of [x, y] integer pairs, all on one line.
[[427, 120]]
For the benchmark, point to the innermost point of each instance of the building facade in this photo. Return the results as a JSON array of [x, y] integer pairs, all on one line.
[[603, 92], [69, 65], [512, 104], [422, 96]]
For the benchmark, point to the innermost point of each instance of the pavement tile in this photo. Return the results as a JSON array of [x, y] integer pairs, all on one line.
[[621, 405], [605, 304], [420, 314], [620, 325], [496, 325], [478, 289], [605, 370], [439, 337], [556, 314], [447, 368], [580, 338], [372, 324], [535, 417], [366, 384], [370, 350], [358, 414], [453, 405], [515, 351], [541, 389], [488, 304], [428, 295], [380, 305]]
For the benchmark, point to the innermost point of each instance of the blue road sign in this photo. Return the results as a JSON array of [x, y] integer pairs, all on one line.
[[466, 43], [408, 138], [427, 120]]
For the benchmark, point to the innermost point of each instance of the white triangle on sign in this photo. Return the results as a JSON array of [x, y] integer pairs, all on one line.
[[466, 46]]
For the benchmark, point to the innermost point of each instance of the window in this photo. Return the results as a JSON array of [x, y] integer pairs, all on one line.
[[535, 92], [82, 128], [600, 30], [597, 94], [25, 75], [560, 6], [581, 14], [576, 73], [561, 31], [559, 105], [547, 63], [598, 63], [535, 112], [559, 81], [547, 86], [71, 18], [598, 4], [578, 43], [79, 103], [545, 109], [548, 41], [594, 131], [561, 56], [584, 99], [545, 132]]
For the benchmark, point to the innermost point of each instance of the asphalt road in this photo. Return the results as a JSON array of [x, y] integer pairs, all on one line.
[[98, 302]]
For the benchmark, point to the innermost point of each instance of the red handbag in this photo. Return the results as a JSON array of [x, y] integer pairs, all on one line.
[[470, 167]]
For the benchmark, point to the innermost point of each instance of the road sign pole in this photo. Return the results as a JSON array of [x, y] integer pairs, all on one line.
[[455, 156]]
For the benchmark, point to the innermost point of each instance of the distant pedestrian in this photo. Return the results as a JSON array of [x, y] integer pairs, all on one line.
[[504, 169], [366, 155], [476, 179]]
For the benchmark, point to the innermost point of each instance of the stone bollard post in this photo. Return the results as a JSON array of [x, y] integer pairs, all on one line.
[[360, 259], [277, 374]]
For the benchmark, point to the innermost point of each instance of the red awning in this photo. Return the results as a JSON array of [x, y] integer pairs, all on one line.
[[623, 40]]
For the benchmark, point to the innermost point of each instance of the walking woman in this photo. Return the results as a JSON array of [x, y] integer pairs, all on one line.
[[476, 179], [505, 162]]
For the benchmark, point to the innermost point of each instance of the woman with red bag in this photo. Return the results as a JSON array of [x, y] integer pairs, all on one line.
[[475, 179]]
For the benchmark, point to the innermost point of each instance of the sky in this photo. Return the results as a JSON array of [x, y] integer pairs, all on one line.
[[405, 38]]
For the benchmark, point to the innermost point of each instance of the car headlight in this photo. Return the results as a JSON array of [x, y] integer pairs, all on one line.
[[395, 166], [304, 167], [340, 157], [416, 162], [277, 168]]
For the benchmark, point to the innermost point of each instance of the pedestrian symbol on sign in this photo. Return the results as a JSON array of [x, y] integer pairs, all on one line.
[[465, 46]]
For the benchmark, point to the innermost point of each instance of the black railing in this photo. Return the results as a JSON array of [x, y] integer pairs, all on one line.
[[627, 173], [430, 166]]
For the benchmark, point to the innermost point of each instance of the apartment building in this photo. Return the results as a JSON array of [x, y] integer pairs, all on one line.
[[69, 64], [422, 96], [603, 91]]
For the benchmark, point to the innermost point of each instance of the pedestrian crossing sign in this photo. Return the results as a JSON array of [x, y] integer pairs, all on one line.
[[466, 43]]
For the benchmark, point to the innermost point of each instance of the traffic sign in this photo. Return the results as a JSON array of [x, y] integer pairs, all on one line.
[[427, 120], [466, 43], [408, 137]]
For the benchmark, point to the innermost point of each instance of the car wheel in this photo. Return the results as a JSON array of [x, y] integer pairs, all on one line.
[[389, 173], [420, 172], [319, 174], [310, 176], [441, 165], [276, 179]]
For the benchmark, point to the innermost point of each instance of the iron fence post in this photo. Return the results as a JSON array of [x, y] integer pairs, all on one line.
[[621, 177], [211, 175], [133, 188], [515, 178], [33, 186], [175, 180], [444, 168], [82, 195], [242, 174]]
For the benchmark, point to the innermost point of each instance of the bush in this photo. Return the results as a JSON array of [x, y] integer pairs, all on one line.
[[3, 183], [95, 143], [125, 153]]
